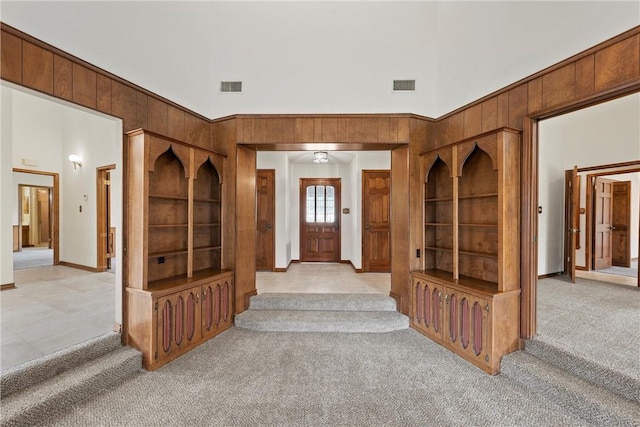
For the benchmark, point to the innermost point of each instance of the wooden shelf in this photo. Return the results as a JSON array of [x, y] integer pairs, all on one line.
[[206, 200], [176, 283], [440, 199], [477, 196], [207, 248], [167, 225], [478, 254], [479, 225], [207, 225], [438, 224], [433, 248], [167, 253], [159, 196]]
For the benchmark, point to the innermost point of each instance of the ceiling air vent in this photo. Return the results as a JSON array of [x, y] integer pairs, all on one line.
[[404, 85], [230, 86]]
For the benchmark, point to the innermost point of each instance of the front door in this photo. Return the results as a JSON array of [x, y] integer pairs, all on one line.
[[320, 219], [621, 223], [266, 212], [376, 194], [603, 204]]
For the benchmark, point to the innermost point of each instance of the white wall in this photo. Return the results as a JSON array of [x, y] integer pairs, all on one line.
[[603, 134], [288, 174], [46, 131]]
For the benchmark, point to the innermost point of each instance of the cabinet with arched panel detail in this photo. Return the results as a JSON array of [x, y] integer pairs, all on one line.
[[178, 294], [471, 248]]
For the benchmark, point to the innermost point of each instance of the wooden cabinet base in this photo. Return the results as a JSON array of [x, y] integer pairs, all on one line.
[[170, 320], [467, 317]]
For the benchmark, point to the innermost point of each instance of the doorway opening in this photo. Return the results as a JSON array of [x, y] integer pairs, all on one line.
[[603, 221]]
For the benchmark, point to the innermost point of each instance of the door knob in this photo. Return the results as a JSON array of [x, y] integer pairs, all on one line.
[[612, 227], [367, 226], [269, 226]]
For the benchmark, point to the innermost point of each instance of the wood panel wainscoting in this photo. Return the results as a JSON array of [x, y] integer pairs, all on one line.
[[178, 295]]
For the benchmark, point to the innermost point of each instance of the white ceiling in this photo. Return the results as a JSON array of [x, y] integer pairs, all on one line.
[[322, 57]]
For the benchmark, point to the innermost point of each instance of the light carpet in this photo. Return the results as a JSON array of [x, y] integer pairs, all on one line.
[[250, 378], [32, 257], [631, 271]]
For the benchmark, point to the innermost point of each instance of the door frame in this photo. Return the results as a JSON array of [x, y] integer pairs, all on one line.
[[337, 182], [103, 206], [55, 211]]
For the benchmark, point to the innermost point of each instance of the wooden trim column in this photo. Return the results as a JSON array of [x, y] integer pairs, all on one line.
[[245, 257]]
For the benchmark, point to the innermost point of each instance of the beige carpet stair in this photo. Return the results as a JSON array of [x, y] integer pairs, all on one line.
[[46, 387]]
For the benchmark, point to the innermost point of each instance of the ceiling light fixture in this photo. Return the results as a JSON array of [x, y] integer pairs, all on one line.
[[320, 157]]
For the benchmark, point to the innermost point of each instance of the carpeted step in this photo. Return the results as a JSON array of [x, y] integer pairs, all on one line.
[[34, 404], [592, 403], [321, 321], [26, 375], [590, 371], [325, 302]]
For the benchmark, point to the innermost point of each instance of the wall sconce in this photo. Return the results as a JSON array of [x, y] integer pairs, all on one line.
[[76, 160], [320, 157]]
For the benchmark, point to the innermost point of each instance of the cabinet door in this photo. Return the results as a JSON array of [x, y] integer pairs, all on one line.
[[216, 304], [467, 326], [178, 323], [426, 312]]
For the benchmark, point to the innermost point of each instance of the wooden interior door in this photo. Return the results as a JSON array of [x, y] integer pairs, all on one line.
[[376, 194], [621, 224], [320, 219], [266, 216], [574, 220], [106, 243], [603, 204], [44, 217]]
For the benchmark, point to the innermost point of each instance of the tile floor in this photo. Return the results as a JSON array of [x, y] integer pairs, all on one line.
[[52, 308], [319, 277]]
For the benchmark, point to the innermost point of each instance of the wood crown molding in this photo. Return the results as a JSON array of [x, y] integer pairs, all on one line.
[[141, 131]]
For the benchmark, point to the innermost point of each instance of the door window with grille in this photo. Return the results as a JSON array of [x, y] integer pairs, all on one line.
[[321, 204]]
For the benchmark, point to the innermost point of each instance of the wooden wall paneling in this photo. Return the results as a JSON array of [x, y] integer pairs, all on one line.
[[329, 129], [123, 105], [503, 110], [37, 72], [341, 133], [534, 94], [472, 121], [142, 110], [11, 57], [354, 129], [245, 226], [157, 116], [288, 130], [383, 130], [456, 127], [369, 129], [558, 86], [103, 93], [197, 131], [84, 86], [175, 123], [393, 129], [404, 129], [400, 220], [273, 130], [585, 76], [317, 129], [618, 63], [442, 132], [304, 129], [518, 105], [62, 78], [489, 114]]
